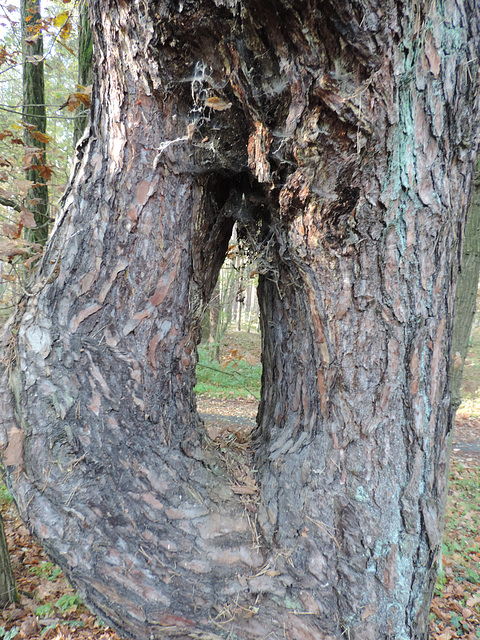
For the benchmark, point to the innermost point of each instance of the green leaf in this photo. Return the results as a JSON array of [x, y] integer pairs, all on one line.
[[44, 610], [8, 635], [68, 601]]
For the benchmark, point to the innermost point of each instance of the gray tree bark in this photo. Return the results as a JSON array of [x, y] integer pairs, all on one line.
[[341, 137]]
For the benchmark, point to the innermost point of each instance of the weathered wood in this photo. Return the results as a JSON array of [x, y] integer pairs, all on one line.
[[342, 141]]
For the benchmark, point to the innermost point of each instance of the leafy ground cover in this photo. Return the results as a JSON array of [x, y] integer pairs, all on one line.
[[49, 608], [47, 605], [455, 611], [239, 372]]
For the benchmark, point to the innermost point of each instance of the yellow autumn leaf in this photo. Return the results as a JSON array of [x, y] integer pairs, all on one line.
[[84, 98], [66, 30], [41, 137], [87, 90], [218, 104], [60, 19], [8, 277]]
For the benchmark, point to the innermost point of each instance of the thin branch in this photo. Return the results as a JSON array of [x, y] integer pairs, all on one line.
[[6, 202], [19, 113]]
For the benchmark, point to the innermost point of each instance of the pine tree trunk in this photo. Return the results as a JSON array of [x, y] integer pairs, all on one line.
[[466, 296], [85, 68], [34, 116], [342, 140], [7, 583]]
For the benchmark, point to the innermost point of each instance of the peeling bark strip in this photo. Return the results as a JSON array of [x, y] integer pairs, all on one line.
[[345, 155]]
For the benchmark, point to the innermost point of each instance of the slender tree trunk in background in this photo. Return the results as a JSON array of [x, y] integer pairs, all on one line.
[[342, 139], [240, 291], [215, 328], [85, 68], [230, 298], [34, 115], [248, 304], [239, 315], [466, 296], [7, 583]]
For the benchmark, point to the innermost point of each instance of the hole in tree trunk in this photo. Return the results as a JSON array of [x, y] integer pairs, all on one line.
[[229, 367]]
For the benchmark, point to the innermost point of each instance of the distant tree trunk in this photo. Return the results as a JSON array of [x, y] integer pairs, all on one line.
[[34, 114], [85, 68], [239, 315], [7, 583], [215, 328], [341, 137], [248, 304], [228, 298], [466, 296], [239, 291]]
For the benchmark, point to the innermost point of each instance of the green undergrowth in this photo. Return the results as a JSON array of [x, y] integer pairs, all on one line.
[[10, 634], [232, 377], [5, 496]]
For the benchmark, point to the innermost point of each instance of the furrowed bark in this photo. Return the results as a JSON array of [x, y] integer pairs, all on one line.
[[342, 143]]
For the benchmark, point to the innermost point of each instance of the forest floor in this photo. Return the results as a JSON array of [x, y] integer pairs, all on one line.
[[49, 608]]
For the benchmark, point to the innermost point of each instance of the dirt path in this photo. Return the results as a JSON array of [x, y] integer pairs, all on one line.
[[466, 438], [231, 415]]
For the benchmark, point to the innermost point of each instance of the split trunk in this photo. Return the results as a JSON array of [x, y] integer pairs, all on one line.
[[341, 138]]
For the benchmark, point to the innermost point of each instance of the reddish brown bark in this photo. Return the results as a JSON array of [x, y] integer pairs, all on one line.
[[341, 138]]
